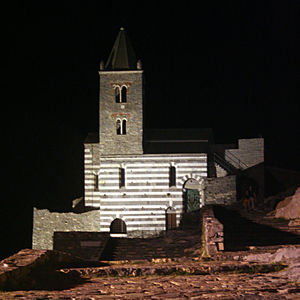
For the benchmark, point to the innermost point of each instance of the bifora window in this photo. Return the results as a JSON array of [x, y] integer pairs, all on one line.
[[121, 94], [121, 126]]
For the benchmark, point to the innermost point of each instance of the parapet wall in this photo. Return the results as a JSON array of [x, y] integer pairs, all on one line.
[[220, 190], [45, 223], [212, 231]]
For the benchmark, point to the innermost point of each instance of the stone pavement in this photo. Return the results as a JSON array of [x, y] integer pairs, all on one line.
[[230, 277], [229, 286]]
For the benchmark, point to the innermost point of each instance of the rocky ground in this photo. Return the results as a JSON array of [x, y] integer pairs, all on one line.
[[230, 286], [261, 261], [265, 273]]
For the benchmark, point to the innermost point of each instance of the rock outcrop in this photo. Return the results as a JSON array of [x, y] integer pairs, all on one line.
[[25, 269], [289, 208]]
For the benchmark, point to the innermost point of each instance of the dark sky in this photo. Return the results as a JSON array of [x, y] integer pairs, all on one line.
[[228, 65]]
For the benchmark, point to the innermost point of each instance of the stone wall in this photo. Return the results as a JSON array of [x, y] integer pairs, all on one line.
[[250, 152], [131, 111], [212, 232], [86, 245], [142, 202], [45, 223], [220, 190]]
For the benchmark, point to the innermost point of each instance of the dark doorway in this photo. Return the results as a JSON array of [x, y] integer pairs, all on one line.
[[118, 226]]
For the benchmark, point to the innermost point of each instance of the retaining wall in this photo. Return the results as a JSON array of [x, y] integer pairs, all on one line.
[[220, 190], [45, 223]]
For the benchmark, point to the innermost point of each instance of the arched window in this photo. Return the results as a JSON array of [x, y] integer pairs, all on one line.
[[118, 127], [124, 94], [121, 127], [117, 94]]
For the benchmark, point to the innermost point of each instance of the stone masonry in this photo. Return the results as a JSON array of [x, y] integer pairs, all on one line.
[[249, 152], [45, 223], [212, 232], [131, 111], [221, 190]]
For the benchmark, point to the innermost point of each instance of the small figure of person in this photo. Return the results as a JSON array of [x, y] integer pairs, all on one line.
[[246, 201], [252, 197]]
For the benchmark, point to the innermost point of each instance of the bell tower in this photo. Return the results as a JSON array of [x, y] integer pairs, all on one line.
[[121, 100]]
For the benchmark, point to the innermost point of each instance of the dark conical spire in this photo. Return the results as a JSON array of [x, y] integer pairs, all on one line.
[[122, 56]]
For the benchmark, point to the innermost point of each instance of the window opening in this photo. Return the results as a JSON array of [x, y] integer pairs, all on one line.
[[117, 94], [118, 125], [121, 127], [172, 180], [124, 94], [122, 177], [96, 182], [124, 123]]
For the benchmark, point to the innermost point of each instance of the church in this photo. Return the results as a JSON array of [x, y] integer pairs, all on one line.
[[139, 182]]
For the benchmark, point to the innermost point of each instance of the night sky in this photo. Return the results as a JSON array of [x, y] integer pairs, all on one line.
[[232, 66]]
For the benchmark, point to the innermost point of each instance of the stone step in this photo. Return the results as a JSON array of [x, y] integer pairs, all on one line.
[[173, 244]]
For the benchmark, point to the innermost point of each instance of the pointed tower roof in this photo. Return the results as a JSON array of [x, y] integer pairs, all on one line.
[[122, 56]]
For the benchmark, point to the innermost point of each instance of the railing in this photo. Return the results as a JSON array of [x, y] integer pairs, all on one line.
[[231, 163], [235, 161]]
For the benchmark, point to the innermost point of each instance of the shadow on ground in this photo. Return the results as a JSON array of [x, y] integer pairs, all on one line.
[[48, 279], [239, 232]]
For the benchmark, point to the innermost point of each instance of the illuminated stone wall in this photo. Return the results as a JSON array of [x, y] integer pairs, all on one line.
[[249, 152], [142, 202], [221, 190], [45, 223], [132, 111]]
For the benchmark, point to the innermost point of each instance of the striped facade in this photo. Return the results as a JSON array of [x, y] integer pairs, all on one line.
[[146, 195], [122, 178]]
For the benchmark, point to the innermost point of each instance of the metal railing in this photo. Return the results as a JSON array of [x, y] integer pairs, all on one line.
[[230, 162], [235, 161]]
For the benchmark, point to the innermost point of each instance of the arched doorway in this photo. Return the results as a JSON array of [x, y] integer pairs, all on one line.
[[171, 222], [118, 226], [191, 195]]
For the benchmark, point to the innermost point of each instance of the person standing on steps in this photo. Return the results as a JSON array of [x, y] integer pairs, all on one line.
[[252, 197], [246, 201]]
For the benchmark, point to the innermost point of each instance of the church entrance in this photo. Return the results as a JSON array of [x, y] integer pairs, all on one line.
[[191, 195], [118, 226], [192, 199]]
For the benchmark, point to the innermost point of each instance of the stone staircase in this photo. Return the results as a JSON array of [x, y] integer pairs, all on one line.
[[180, 242], [175, 243], [243, 229], [269, 220]]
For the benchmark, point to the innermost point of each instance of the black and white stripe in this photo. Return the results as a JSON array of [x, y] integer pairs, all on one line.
[[143, 201]]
